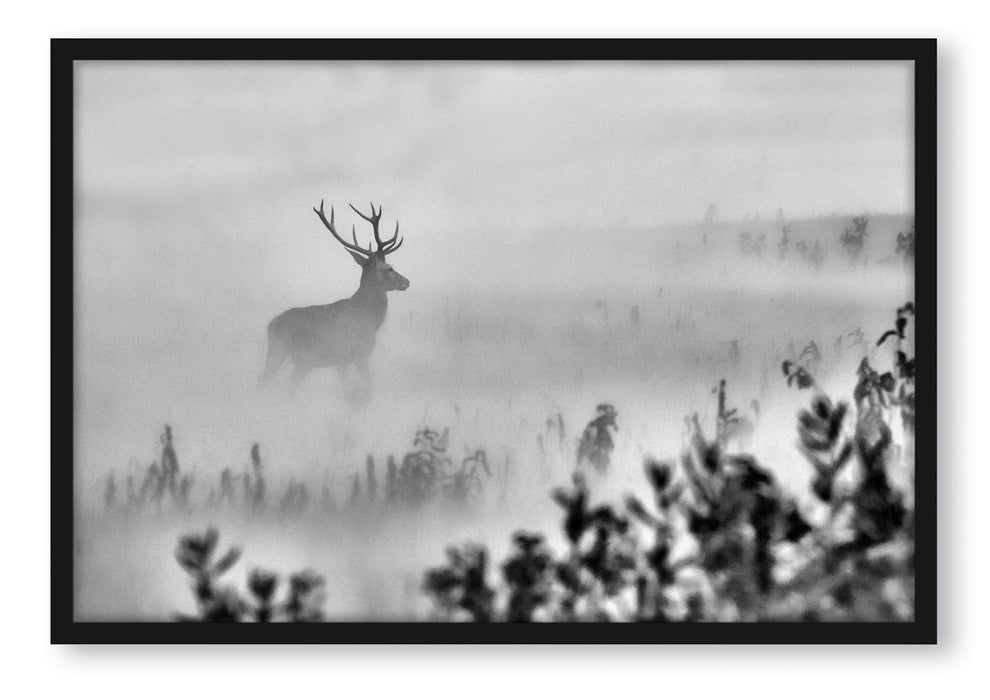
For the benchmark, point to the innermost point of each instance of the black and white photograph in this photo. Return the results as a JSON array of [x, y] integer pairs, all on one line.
[[497, 341]]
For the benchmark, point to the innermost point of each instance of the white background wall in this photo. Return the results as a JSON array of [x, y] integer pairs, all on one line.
[[35, 669]]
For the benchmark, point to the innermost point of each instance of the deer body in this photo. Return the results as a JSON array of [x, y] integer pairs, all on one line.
[[342, 333]]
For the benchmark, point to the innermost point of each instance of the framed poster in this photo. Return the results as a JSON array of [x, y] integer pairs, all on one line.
[[388, 337]]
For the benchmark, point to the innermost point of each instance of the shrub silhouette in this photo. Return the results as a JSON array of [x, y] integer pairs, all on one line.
[[718, 539], [216, 603], [427, 475], [855, 562]]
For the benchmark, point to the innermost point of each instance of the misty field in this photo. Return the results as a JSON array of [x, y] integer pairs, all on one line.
[[509, 342]]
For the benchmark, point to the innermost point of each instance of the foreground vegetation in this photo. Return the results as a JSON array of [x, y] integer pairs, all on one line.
[[720, 538]]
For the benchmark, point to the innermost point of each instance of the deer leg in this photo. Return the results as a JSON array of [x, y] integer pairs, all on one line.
[[276, 356], [361, 391], [299, 373], [363, 369], [351, 389], [346, 382]]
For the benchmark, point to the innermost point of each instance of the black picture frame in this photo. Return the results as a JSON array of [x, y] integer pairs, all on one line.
[[64, 52]]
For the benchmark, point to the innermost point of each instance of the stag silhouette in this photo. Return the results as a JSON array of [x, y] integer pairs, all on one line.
[[342, 333]]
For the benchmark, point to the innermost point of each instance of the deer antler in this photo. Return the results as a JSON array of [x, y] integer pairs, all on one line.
[[352, 247], [384, 247], [373, 219]]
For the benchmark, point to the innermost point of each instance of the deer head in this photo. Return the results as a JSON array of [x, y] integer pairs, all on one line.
[[375, 269]]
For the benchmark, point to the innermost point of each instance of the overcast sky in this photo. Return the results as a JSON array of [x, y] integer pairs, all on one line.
[[511, 144], [196, 181]]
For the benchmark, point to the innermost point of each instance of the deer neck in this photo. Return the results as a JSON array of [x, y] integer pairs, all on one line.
[[370, 298]]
